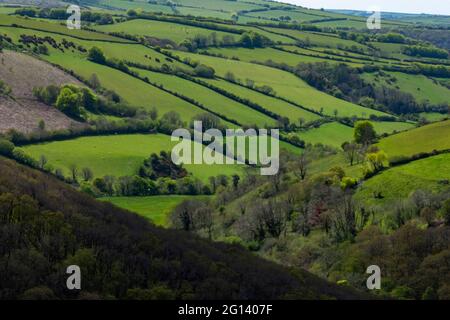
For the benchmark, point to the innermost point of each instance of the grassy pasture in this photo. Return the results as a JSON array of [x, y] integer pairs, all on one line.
[[333, 134], [128, 87], [136, 5], [431, 137], [211, 99], [122, 51], [434, 116], [43, 25], [265, 54], [229, 6], [159, 29], [156, 208], [317, 39], [420, 86], [390, 127], [118, 155], [285, 85], [295, 15], [277, 106], [399, 182]]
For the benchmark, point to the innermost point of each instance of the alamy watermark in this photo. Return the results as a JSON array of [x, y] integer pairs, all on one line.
[[74, 21], [235, 147], [374, 20], [374, 281]]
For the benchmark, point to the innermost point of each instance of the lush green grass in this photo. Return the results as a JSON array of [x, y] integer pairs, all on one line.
[[163, 30], [318, 39], [390, 127], [6, 10], [285, 84], [390, 49], [277, 106], [137, 5], [229, 6], [134, 91], [421, 87], [431, 137], [156, 208], [434, 116], [333, 134], [266, 54], [295, 15], [122, 51], [55, 27], [399, 182], [211, 99], [118, 155]]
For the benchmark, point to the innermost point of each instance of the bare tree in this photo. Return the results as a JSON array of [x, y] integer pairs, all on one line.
[[87, 174]]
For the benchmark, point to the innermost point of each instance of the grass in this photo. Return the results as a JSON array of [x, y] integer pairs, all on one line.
[[163, 30], [333, 134], [391, 127], [211, 99], [399, 182], [122, 51], [156, 208], [56, 28], [115, 80], [117, 155], [277, 106], [431, 137], [318, 39], [142, 5], [422, 88], [434, 116], [284, 83], [266, 54]]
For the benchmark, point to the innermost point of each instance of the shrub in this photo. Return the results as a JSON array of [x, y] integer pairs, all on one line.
[[204, 71], [6, 148]]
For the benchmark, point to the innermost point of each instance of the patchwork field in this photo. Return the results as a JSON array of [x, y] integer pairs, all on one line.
[[285, 85], [156, 208], [117, 155], [427, 174], [421, 87], [431, 137], [333, 134], [163, 30], [211, 100]]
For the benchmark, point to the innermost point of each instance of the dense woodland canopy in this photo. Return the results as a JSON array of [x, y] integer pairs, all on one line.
[[46, 226]]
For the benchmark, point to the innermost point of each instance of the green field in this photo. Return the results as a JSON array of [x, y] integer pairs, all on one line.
[[211, 100], [112, 79], [391, 127], [333, 134], [122, 51], [399, 182], [156, 208], [431, 137], [271, 54], [117, 155], [318, 39], [285, 85], [434, 116], [422, 88], [274, 105], [163, 30], [7, 20]]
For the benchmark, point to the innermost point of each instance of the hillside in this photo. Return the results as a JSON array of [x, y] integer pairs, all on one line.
[[22, 111], [98, 235], [361, 176]]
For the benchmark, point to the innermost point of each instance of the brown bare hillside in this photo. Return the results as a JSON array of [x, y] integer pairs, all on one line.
[[22, 73]]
